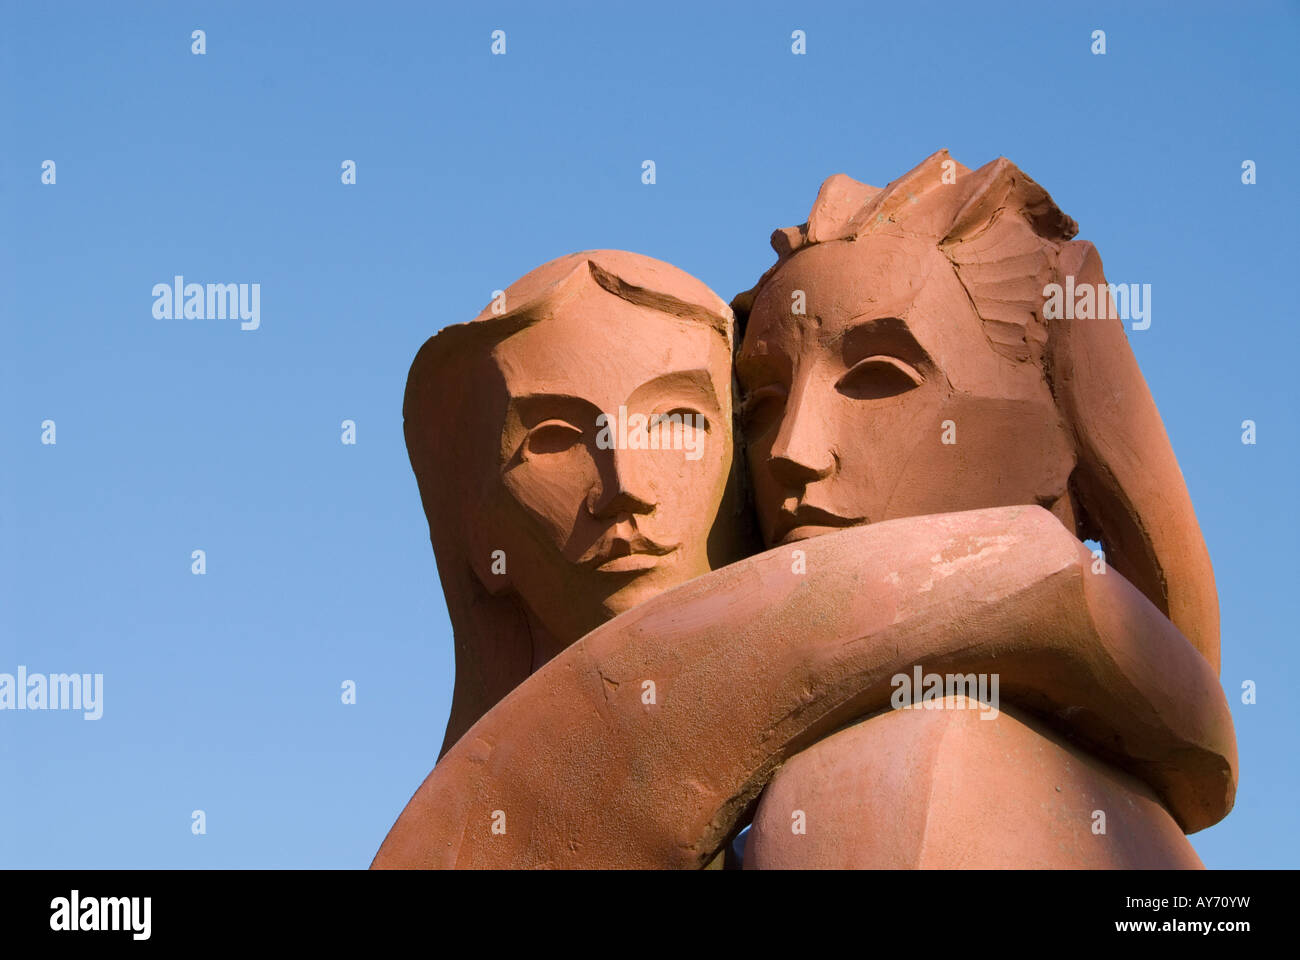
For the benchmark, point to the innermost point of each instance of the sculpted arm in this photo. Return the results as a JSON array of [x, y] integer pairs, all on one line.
[[642, 744]]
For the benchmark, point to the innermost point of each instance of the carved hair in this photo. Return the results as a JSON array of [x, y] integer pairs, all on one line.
[[1007, 240]]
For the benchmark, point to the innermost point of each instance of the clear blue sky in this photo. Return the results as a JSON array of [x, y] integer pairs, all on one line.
[[222, 692]]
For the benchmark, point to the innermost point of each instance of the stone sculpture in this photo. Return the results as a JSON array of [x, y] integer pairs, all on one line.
[[928, 446]]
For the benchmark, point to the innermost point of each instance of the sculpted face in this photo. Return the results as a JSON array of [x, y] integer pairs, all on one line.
[[597, 522], [848, 405]]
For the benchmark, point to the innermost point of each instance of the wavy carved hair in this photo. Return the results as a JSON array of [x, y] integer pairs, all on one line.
[[1007, 240]]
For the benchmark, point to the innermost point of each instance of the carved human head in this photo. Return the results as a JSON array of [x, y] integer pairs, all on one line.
[[900, 359], [574, 450]]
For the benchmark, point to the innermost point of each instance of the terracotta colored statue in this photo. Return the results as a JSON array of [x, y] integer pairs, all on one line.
[[928, 449], [549, 510], [921, 376]]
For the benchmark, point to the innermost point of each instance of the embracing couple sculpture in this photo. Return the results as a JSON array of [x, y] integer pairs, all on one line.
[[896, 460]]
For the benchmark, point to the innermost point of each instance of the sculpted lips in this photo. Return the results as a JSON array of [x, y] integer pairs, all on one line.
[[808, 521], [624, 553]]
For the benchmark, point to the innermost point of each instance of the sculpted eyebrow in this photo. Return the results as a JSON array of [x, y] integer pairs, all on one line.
[[696, 382], [887, 335], [532, 408]]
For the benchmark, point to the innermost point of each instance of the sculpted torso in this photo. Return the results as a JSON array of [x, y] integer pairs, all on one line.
[[926, 450]]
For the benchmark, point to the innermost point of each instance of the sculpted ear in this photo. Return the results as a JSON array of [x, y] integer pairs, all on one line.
[[1129, 490]]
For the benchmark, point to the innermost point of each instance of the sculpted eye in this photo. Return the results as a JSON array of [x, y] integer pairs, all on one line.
[[878, 377], [552, 436], [762, 409], [687, 416]]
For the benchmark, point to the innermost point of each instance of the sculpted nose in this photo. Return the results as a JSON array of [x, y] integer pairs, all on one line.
[[802, 452], [799, 471], [616, 493], [613, 502]]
